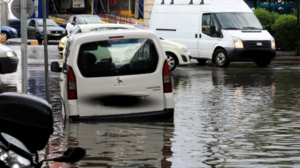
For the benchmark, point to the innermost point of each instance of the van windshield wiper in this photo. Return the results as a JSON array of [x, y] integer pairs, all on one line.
[[231, 28], [250, 28]]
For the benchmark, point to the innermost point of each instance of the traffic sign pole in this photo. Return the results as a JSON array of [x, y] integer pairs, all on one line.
[[23, 13], [46, 50]]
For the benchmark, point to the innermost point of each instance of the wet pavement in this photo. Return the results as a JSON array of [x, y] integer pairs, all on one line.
[[240, 116]]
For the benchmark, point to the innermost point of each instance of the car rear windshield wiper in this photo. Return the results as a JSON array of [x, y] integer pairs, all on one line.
[[231, 28], [250, 28]]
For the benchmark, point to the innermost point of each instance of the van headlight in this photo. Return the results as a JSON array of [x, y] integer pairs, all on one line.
[[273, 43], [237, 43], [183, 48], [10, 54]]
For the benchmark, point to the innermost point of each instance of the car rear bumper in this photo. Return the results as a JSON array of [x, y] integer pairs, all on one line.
[[154, 115], [8, 64], [250, 54]]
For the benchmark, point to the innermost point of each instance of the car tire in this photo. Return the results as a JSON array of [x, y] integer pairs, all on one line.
[[202, 61], [263, 63], [172, 61], [220, 58], [5, 34]]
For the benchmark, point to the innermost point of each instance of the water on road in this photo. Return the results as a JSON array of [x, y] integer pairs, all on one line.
[[240, 116]]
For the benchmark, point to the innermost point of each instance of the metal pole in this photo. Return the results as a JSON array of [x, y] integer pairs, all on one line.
[[4, 14], [24, 45], [298, 52], [46, 50]]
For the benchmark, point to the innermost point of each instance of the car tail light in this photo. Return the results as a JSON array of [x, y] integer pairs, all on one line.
[[71, 82], [167, 78]]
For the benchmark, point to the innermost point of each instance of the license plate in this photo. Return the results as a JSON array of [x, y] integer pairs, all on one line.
[[56, 34]]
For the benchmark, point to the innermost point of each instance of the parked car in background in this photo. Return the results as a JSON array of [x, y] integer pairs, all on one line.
[[8, 60], [177, 54], [15, 23], [115, 74], [9, 32], [80, 20], [35, 30]]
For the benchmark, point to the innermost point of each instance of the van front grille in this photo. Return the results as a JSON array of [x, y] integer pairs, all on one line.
[[258, 44]]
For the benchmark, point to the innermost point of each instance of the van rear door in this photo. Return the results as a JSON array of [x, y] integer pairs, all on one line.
[[119, 76]]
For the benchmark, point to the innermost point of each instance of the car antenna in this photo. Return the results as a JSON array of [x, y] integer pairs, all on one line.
[[202, 2], [162, 2], [191, 3], [172, 2]]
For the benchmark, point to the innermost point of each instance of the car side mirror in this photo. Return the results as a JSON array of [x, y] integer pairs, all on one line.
[[55, 67], [213, 29], [73, 23], [72, 155], [268, 28]]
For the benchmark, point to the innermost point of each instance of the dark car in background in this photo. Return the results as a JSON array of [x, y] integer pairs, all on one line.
[[8, 60], [15, 23], [9, 32], [35, 30]]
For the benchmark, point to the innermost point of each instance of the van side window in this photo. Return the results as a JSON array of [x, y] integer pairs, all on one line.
[[208, 22]]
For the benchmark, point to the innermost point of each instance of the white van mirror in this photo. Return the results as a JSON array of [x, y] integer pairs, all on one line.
[[213, 29]]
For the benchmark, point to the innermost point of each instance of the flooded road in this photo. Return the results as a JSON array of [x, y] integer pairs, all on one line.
[[240, 116]]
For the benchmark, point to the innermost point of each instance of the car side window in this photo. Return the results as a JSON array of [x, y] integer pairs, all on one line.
[[209, 22], [32, 23]]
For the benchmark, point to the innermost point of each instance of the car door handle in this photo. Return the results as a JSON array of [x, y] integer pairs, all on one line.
[[196, 35]]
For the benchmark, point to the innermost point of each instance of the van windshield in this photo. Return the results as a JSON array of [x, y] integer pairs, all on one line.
[[239, 21], [117, 57]]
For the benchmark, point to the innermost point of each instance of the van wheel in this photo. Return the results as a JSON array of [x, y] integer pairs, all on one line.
[[220, 58], [202, 61], [263, 63], [172, 61]]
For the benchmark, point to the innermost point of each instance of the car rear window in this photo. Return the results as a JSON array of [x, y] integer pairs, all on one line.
[[117, 57]]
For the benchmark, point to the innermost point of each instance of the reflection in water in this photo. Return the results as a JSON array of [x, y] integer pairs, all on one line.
[[224, 117]]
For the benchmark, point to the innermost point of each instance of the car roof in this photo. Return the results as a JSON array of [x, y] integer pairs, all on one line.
[[88, 27], [119, 32]]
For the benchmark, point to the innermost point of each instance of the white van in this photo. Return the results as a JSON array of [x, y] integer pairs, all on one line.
[[115, 74], [223, 31]]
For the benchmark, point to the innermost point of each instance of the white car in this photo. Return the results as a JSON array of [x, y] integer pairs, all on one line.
[[177, 54], [115, 74], [81, 20]]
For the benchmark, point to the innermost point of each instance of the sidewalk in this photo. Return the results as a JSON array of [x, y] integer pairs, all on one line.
[[287, 58]]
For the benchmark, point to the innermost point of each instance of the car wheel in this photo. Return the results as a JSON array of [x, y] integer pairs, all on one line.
[[5, 34], [202, 61], [263, 63], [220, 58], [172, 61]]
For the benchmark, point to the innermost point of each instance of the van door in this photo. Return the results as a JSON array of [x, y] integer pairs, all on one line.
[[207, 39], [188, 27], [164, 21], [119, 76]]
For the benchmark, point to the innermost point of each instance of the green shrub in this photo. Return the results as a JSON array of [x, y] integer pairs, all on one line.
[[285, 31], [263, 16], [275, 16]]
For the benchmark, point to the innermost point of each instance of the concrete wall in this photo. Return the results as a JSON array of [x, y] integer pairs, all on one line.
[[148, 5]]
